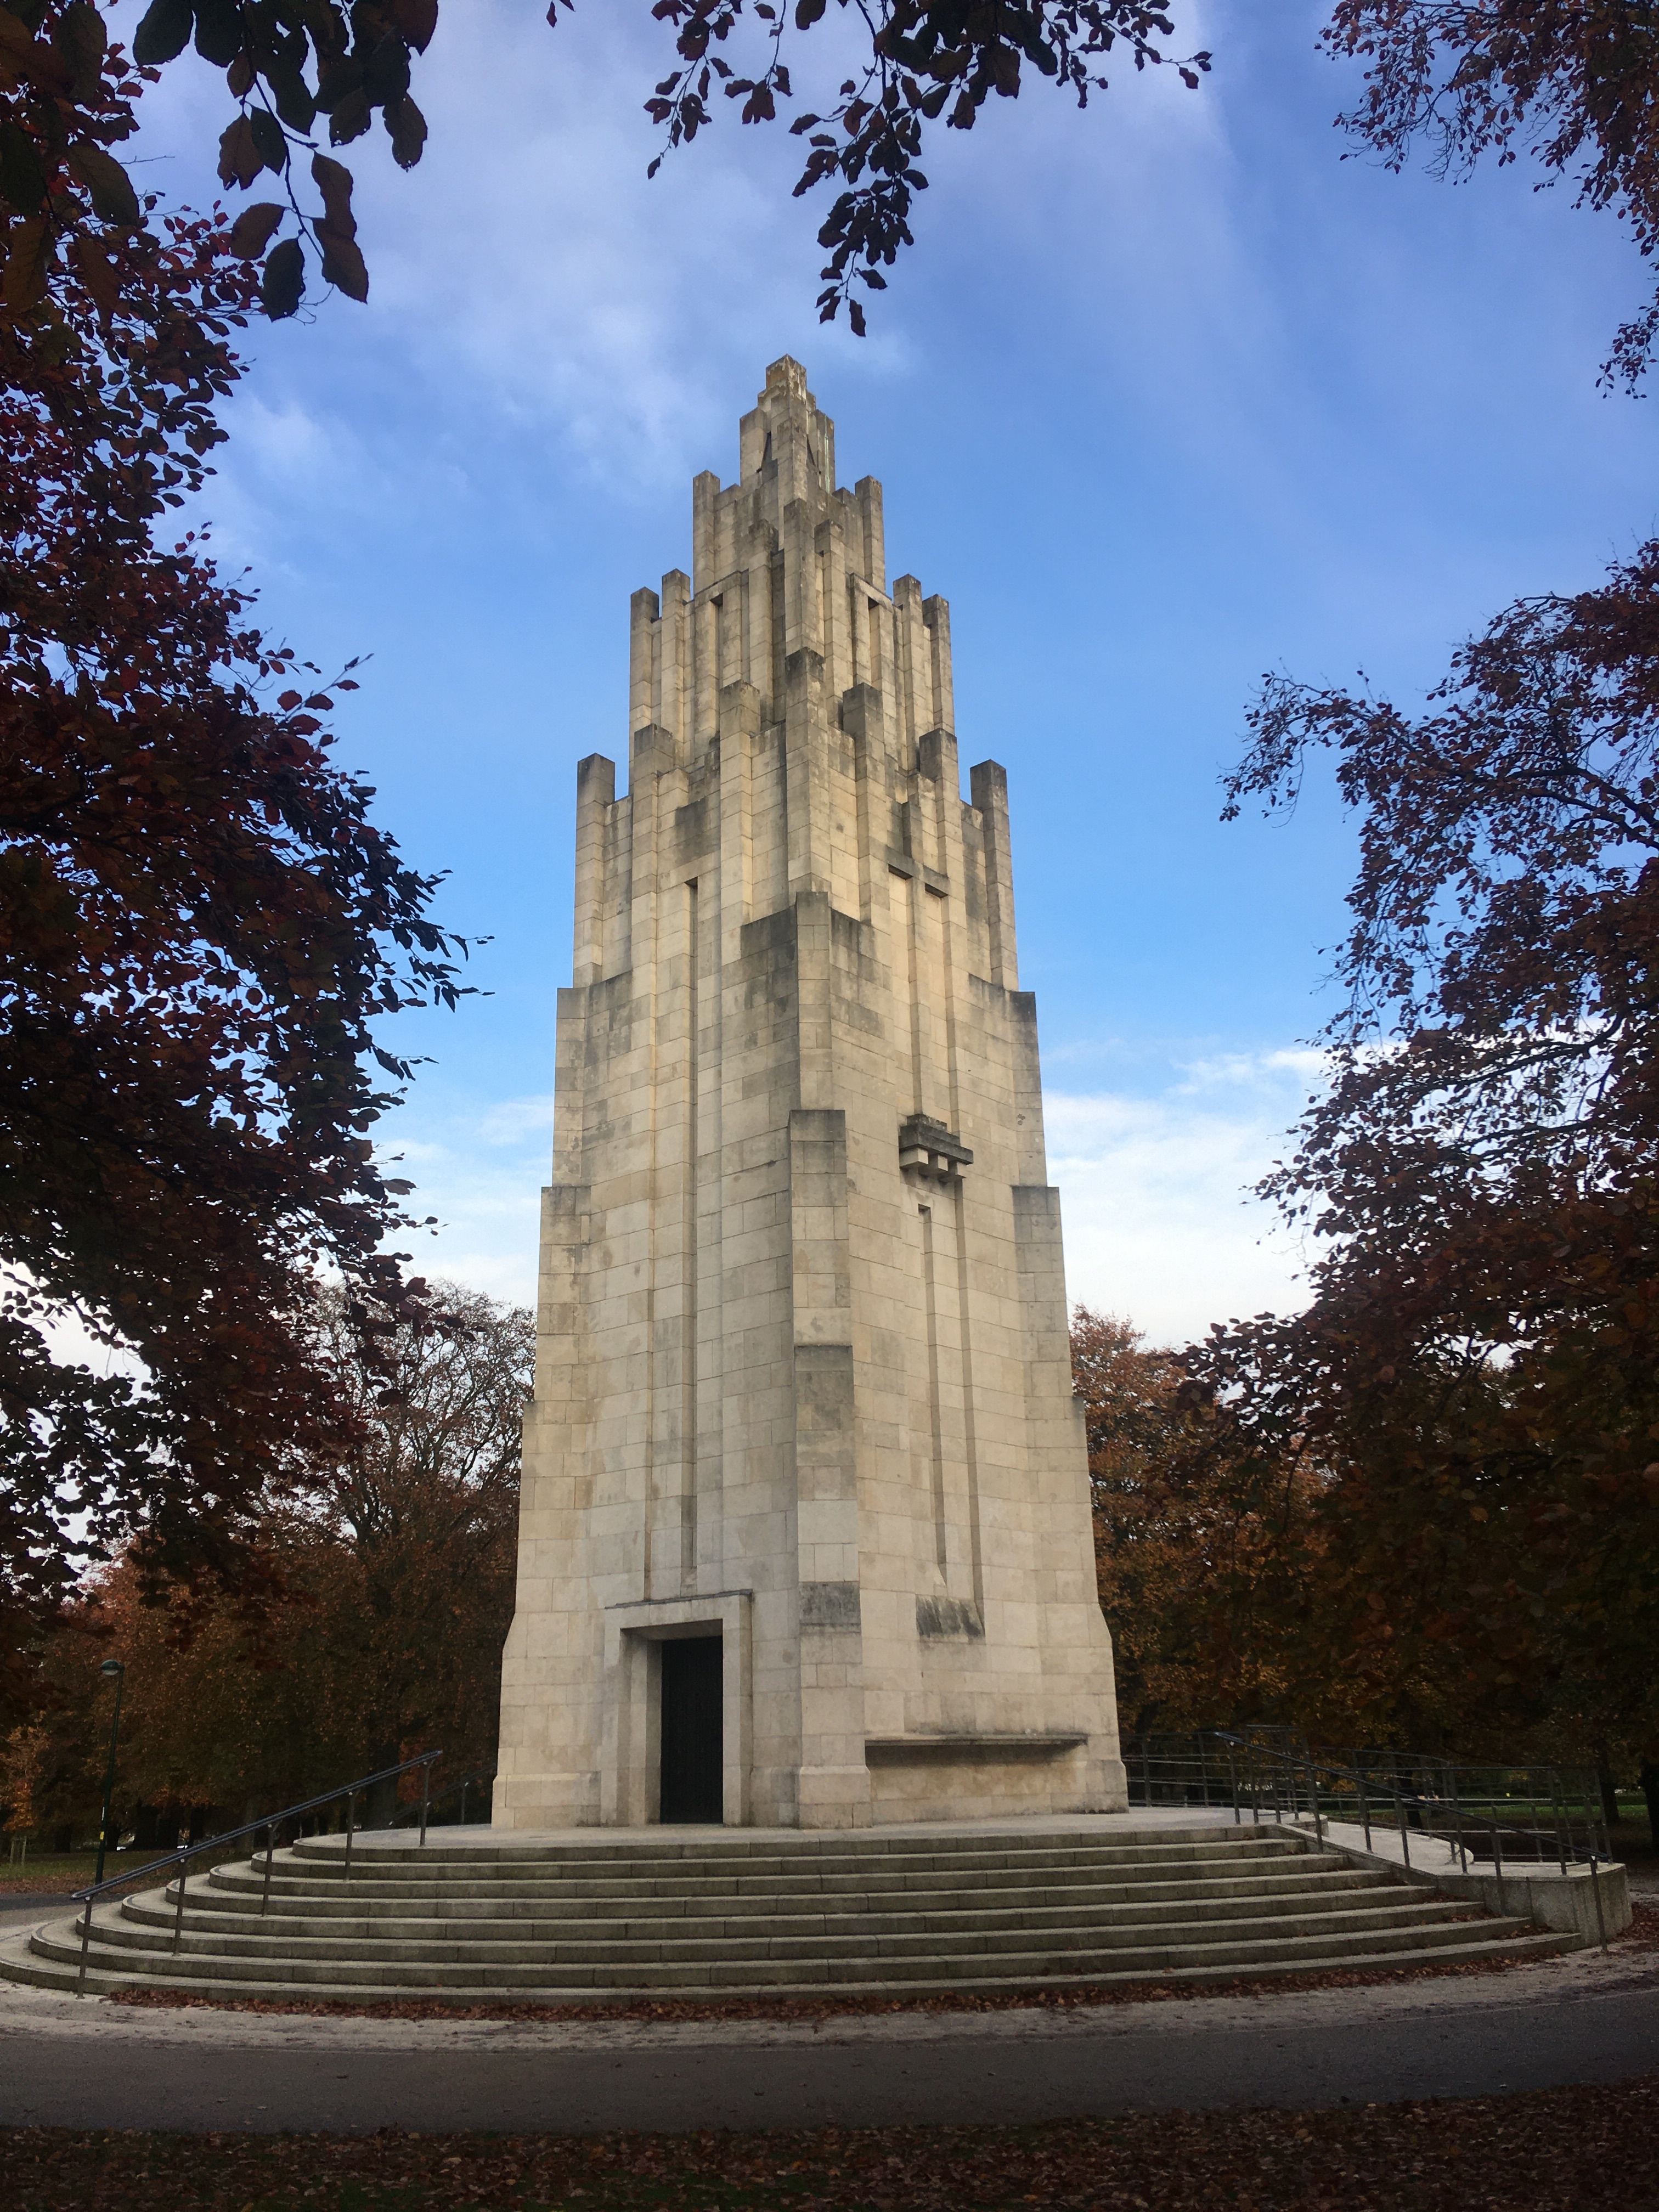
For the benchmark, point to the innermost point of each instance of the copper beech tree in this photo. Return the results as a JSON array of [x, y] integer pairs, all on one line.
[[199, 927], [1146, 1562], [1478, 1371], [1573, 82]]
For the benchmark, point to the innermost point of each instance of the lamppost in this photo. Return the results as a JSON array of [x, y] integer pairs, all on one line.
[[110, 1667]]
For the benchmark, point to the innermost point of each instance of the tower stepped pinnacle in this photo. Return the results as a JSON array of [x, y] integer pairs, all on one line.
[[784, 563]]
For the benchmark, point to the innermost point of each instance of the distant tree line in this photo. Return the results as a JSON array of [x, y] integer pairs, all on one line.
[[385, 1592]]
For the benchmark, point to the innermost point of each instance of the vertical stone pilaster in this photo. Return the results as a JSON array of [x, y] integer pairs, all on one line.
[[913, 678], [706, 662], [834, 1785], [988, 781], [806, 774], [1030, 1146], [815, 1014], [673, 703], [836, 643], [760, 580], [803, 614], [862, 717], [596, 792], [569, 1052], [644, 659], [740, 732], [705, 499], [873, 550], [935, 614], [705, 1570]]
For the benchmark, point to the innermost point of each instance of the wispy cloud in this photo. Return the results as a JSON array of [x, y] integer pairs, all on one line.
[[1161, 1222], [479, 1169], [1299, 1066], [517, 1120]]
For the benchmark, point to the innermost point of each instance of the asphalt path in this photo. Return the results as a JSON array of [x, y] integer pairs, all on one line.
[[1268, 2056]]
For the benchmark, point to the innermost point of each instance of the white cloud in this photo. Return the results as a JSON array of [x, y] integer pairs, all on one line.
[[1257, 1071], [516, 1119], [1161, 1223], [479, 1169], [531, 256]]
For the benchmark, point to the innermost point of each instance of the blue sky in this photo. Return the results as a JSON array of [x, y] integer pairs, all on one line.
[[1168, 394]]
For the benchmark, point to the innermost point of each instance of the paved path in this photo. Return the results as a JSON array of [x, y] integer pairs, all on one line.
[[95, 2064]]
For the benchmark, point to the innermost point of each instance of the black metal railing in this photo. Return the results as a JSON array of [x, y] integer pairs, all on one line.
[[1526, 1814], [462, 1787], [268, 1827]]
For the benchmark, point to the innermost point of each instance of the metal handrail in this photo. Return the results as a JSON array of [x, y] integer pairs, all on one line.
[[267, 1827], [1452, 1798], [462, 1784]]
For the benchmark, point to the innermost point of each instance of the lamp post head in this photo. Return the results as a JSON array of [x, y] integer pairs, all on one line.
[[112, 1667]]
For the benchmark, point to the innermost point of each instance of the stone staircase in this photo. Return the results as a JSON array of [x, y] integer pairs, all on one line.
[[703, 1914]]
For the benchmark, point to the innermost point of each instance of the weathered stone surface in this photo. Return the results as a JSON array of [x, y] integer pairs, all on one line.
[[803, 1374]]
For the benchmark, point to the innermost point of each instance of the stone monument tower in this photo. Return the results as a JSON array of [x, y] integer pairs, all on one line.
[[806, 1535]]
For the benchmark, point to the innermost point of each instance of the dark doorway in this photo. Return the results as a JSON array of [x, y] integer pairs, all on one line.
[[691, 1729]]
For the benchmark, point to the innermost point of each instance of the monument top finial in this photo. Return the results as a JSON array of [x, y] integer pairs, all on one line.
[[786, 427], [787, 379]]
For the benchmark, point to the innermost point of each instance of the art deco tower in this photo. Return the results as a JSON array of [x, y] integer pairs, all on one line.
[[806, 1533]]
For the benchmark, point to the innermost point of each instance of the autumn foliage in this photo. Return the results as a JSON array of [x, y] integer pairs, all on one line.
[[1572, 84], [1547, 2150], [394, 1562], [1474, 1377], [1425, 1510], [1209, 1556], [200, 925], [296, 69]]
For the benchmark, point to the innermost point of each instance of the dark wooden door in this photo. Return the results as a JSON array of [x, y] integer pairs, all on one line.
[[691, 1758]]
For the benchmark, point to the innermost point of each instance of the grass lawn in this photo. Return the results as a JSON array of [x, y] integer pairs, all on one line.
[[1553, 2150], [55, 1875]]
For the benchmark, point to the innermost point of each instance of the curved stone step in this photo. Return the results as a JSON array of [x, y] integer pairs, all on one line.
[[826, 1940], [1515, 1951], [476, 1982], [286, 1883], [145, 1920], [814, 1954], [715, 1916], [707, 1845], [295, 1878], [243, 1897], [246, 1897], [325, 1856]]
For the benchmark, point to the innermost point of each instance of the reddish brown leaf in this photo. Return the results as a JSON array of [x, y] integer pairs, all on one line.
[[254, 229], [239, 158], [28, 264], [416, 20]]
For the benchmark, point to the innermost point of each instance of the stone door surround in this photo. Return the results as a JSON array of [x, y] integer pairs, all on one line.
[[634, 1636]]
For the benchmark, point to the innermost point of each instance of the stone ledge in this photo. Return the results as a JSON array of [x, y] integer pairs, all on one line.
[[910, 1750]]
